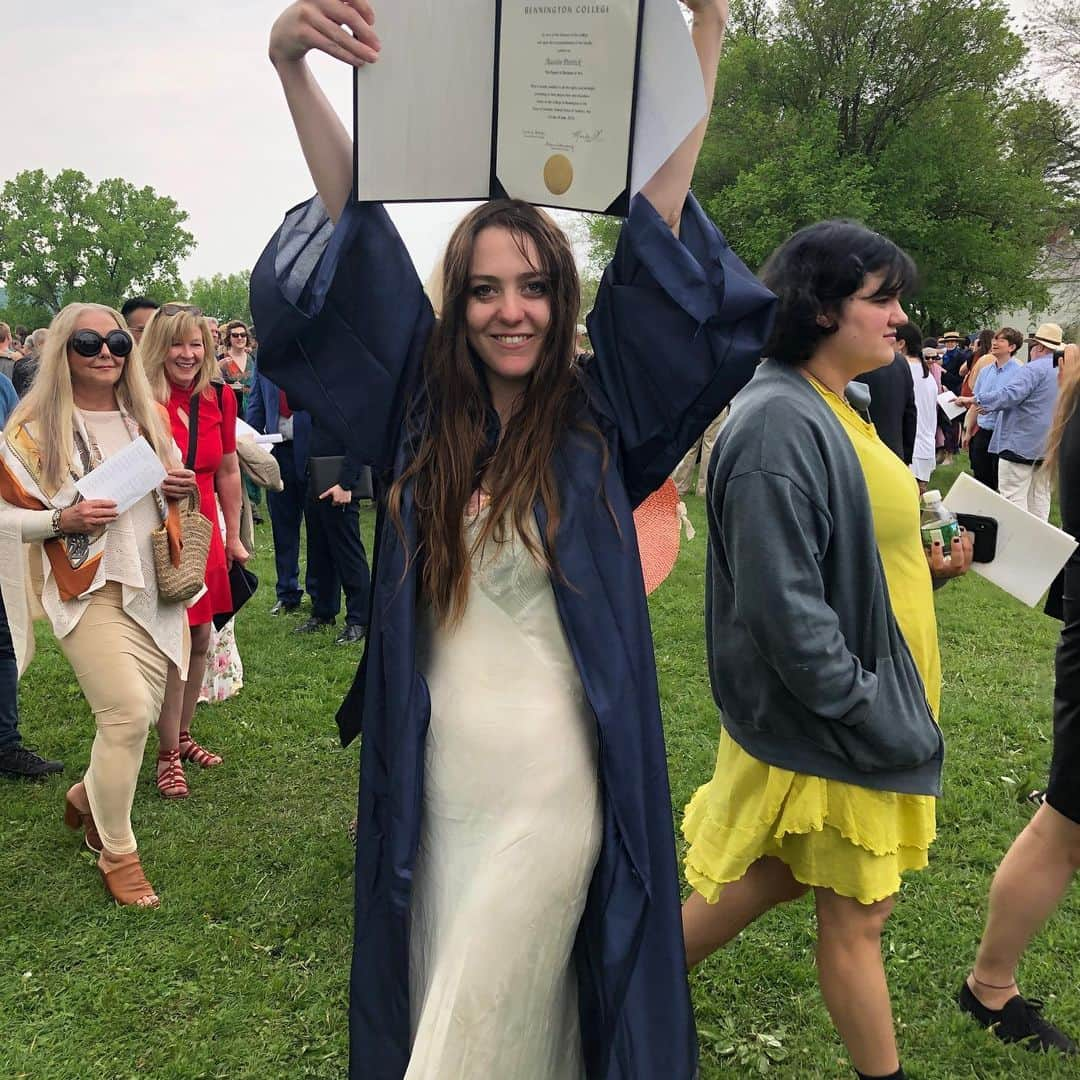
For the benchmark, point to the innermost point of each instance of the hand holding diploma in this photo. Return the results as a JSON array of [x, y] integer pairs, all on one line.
[[343, 29]]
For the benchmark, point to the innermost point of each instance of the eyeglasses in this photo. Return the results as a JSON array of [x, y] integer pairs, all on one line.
[[238, 333], [178, 309], [88, 342]]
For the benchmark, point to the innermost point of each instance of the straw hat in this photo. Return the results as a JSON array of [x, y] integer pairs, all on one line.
[[952, 335], [658, 523], [1049, 334]]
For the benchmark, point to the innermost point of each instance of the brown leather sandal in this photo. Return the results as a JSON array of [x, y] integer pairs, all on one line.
[[127, 885], [76, 819], [171, 781]]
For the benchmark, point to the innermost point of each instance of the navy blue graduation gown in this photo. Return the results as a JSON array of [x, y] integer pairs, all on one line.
[[678, 326]]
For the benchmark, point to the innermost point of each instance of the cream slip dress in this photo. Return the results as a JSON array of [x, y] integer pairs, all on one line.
[[510, 833]]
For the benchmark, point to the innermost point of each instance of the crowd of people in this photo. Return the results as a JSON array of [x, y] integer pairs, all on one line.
[[87, 385], [517, 902], [1007, 382]]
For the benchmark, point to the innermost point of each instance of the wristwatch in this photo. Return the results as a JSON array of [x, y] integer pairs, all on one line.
[[57, 531]]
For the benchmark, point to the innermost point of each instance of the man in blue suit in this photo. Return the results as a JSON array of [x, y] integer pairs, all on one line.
[[268, 411], [336, 558]]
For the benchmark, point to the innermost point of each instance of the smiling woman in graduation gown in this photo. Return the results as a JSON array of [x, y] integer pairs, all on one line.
[[677, 329]]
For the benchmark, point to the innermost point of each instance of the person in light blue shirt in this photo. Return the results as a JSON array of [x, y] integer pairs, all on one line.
[[979, 426], [8, 398], [1025, 408]]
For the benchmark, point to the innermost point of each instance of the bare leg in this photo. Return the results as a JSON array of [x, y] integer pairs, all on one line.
[[852, 979], [168, 728], [1028, 886], [708, 927], [200, 642], [175, 709]]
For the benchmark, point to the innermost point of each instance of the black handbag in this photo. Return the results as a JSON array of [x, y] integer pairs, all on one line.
[[242, 586]]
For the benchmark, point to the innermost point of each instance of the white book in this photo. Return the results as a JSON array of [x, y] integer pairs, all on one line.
[[1030, 552], [572, 105]]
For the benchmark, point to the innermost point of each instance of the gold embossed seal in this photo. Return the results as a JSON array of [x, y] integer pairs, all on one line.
[[558, 174]]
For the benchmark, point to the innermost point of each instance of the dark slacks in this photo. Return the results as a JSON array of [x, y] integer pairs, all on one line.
[[336, 560], [286, 513], [984, 465], [9, 686]]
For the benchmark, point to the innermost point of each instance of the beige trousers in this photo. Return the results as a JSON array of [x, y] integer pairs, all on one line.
[[122, 674], [684, 471], [1026, 486]]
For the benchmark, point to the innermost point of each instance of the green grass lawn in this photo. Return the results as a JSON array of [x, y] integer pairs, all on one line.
[[243, 972]]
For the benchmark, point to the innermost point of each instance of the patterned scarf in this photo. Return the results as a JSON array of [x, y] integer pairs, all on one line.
[[75, 558]]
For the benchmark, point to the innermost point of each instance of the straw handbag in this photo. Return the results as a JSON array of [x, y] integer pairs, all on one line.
[[181, 565], [182, 543]]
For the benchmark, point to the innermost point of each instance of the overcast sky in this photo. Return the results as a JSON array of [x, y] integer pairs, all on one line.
[[179, 95]]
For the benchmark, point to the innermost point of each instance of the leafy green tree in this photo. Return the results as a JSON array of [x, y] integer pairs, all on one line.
[[64, 239], [224, 296], [905, 114]]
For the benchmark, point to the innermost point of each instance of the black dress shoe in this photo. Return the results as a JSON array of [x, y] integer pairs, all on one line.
[[351, 634], [310, 625], [282, 606], [21, 762]]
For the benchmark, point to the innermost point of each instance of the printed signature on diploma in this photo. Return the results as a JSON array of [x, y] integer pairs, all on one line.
[[588, 136]]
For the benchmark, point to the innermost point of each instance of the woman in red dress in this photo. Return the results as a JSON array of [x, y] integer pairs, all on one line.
[[178, 354]]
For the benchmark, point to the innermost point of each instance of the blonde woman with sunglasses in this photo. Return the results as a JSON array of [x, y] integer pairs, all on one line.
[[90, 567]]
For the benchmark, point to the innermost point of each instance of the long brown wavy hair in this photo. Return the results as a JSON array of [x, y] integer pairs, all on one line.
[[1068, 397], [452, 445]]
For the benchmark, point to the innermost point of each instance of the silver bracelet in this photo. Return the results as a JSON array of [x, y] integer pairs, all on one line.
[[57, 531]]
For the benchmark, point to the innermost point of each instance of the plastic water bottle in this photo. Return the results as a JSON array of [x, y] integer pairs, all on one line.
[[939, 523]]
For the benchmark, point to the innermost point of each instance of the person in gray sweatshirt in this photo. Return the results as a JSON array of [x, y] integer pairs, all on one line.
[[822, 642]]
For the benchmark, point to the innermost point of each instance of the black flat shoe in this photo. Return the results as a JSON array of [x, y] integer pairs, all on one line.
[[283, 608], [350, 634], [1019, 1020], [313, 624]]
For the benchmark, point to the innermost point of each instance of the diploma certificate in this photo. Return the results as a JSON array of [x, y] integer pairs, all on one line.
[[567, 73], [561, 104]]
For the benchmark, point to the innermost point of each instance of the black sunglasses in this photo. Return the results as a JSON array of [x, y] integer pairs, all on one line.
[[237, 333], [88, 342]]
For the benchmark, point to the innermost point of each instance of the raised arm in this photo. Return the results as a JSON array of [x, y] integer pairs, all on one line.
[[345, 30], [668, 187]]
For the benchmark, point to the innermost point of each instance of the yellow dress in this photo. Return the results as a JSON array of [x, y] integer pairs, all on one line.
[[853, 840]]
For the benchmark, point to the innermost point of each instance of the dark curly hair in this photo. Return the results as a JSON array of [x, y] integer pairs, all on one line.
[[815, 271]]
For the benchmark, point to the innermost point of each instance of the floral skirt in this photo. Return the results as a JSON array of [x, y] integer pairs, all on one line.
[[224, 669], [853, 840], [224, 675]]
